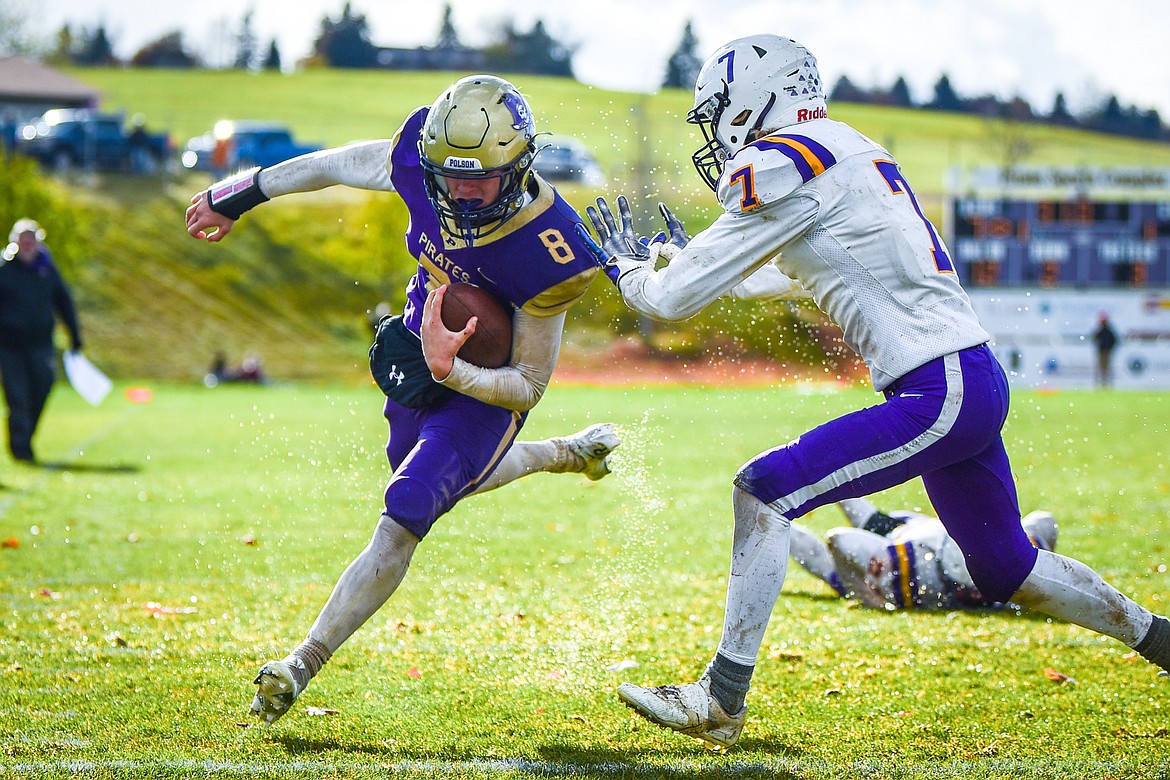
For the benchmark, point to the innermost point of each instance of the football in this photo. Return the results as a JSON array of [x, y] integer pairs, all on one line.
[[491, 344]]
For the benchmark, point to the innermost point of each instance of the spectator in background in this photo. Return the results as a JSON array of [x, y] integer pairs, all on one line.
[[8, 129], [1105, 340], [250, 370], [32, 296], [141, 159]]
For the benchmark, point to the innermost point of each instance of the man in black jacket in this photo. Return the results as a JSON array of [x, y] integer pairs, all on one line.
[[32, 296]]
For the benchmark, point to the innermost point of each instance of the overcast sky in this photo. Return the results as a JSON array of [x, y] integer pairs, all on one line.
[[1031, 48]]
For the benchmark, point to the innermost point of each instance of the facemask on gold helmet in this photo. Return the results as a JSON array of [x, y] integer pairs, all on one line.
[[479, 129]]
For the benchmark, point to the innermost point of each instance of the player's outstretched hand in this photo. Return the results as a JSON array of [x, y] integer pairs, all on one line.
[[439, 344], [677, 238], [618, 249], [203, 222]]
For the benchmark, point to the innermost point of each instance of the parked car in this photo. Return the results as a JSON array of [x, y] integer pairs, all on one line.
[[567, 160], [64, 138], [233, 145]]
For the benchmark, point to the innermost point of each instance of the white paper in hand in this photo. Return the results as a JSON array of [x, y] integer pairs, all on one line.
[[89, 382]]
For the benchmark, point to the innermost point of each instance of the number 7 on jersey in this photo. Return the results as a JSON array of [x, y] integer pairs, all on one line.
[[899, 186]]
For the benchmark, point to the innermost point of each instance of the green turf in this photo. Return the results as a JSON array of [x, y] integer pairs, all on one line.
[[234, 510]]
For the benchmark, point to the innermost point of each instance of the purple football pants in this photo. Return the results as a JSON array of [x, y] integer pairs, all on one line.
[[942, 422], [442, 453]]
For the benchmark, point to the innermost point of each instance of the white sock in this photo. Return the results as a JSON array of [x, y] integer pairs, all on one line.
[[807, 549], [759, 563], [857, 510], [522, 459], [365, 585], [1069, 590]]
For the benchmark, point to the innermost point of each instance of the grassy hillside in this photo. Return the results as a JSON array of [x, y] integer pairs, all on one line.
[[639, 139], [294, 282]]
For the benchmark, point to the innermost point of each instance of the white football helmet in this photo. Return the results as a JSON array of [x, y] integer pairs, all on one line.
[[1041, 528], [757, 83]]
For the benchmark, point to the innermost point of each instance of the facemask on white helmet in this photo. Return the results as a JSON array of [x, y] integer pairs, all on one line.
[[753, 84]]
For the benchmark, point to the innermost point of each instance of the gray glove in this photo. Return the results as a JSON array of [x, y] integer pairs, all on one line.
[[619, 250]]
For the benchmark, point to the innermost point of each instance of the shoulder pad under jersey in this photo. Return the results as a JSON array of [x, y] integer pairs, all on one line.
[[561, 297], [412, 126], [771, 169]]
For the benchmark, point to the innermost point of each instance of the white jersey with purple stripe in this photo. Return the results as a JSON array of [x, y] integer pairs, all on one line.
[[885, 278], [830, 209]]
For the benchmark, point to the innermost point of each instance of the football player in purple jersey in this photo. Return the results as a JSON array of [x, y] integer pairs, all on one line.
[[813, 207], [900, 560], [478, 215]]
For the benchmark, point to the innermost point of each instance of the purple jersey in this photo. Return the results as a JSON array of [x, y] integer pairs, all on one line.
[[536, 262]]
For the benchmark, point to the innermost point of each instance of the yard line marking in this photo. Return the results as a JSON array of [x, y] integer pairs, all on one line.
[[509, 766]]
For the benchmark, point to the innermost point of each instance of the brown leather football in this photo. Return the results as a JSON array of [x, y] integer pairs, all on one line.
[[491, 344]]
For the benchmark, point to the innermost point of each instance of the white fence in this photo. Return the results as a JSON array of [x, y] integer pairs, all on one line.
[[1043, 337]]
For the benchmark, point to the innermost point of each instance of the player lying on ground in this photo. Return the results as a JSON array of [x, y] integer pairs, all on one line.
[[810, 203], [903, 560], [479, 215]]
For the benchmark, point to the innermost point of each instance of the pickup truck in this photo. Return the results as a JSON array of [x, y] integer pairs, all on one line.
[[64, 138], [234, 145]]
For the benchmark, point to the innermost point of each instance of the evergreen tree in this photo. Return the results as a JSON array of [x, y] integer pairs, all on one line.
[[165, 52], [272, 59], [448, 38], [683, 66], [1150, 125], [345, 43], [1060, 114], [945, 97], [845, 91], [95, 48], [246, 52], [63, 50], [532, 52], [900, 94]]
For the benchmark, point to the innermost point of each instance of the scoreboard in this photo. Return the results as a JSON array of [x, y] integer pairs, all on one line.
[[1060, 242], [1078, 235]]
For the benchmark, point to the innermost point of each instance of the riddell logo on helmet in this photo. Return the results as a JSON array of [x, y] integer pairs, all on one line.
[[804, 115]]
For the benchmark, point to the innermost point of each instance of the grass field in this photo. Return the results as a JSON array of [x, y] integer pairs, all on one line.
[[172, 546]]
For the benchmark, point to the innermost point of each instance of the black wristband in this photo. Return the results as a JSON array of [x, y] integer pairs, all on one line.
[[232, 197]]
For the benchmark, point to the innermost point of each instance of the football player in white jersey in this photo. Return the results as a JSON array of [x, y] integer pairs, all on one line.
[[813, 207], [900, 560]]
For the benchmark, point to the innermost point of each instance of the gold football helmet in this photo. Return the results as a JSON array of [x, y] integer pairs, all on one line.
[[480, 128]]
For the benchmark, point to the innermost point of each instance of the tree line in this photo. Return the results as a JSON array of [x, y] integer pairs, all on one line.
[[1110, 116], [344, 42]]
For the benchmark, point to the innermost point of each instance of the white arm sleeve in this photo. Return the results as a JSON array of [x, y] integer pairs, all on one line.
[[717, 259], [769, 283], [536, 344], [361, 165]]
